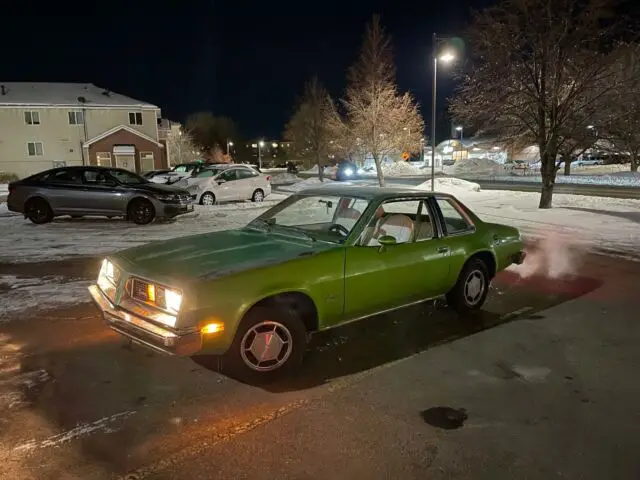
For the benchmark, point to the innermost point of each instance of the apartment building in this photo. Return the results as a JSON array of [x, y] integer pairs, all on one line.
[[46, 125]]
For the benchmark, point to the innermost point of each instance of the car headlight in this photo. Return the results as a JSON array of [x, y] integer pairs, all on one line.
[[167, 197], [162, 297], [348, 172], [360, 171], [108, 278]]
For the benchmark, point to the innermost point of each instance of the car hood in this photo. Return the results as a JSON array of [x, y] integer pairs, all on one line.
[[212, 255]]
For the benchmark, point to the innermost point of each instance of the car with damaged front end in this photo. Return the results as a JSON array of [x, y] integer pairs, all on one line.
[[319, 258]]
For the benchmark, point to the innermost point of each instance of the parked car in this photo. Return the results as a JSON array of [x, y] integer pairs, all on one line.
[[152, 173], [227, 182], [101, 191], [177, 173], [320, 258]]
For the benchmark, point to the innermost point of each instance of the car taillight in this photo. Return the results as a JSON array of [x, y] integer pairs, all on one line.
[[269, 178]]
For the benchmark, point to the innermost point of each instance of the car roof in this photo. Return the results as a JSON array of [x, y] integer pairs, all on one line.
[[370, 192]]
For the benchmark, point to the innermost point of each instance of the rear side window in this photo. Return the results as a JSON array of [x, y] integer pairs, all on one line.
[[246, 173], [65, 177], [454, 219]]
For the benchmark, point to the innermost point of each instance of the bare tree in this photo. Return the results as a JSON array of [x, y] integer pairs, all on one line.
[[622, 125], [308, 129], [181, 147], [538, 73], [379, 120]]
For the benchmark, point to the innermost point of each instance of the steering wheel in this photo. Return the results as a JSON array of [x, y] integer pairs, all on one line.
[[340, 229]]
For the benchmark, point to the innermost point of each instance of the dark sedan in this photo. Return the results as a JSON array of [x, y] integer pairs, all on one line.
[[100, 191]]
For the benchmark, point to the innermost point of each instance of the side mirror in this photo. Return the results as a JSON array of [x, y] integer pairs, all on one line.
[[221, 181], [387, 240]]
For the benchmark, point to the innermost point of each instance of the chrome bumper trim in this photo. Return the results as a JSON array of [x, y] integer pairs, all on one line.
[[143, 332]]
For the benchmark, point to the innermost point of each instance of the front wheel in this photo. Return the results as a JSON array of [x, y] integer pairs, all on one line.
[[38, 211], [471, 290], [268, 345], [207, 198], [141, 212]]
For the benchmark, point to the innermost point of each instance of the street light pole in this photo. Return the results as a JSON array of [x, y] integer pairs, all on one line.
[[433, 115], [260, 145]]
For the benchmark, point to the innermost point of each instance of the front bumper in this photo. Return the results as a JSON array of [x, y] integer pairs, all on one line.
[[173, 210], [144, 332]]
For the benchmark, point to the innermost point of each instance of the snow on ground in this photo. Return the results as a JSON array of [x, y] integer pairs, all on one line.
[[304, 184], [20, 293], [283, 178], [621, 179], [401, 169], [602, 224]]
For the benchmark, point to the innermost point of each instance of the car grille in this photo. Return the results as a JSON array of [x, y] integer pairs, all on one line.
[[184, 198]]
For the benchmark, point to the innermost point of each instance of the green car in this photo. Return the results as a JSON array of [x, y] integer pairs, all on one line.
[[316, 260]]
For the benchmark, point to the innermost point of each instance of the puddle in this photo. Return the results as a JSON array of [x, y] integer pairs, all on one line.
[[446, 418]]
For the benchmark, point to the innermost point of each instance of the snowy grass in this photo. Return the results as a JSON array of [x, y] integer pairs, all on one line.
[[619, 179]]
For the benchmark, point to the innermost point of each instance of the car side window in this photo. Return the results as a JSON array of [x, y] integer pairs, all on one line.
[[96, 177], [246, 173], [454, 219], [66, 177], [228, 175], [396, 218]]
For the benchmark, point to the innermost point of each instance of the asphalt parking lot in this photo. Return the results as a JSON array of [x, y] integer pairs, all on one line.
[[540, 386]]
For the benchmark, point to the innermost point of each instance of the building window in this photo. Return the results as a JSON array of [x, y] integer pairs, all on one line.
[[103, 159], [146, 161], [34, 149], [135, 118], [32, 118], [76, 118]]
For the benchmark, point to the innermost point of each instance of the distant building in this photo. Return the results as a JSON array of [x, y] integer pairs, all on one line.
[[45, 125]]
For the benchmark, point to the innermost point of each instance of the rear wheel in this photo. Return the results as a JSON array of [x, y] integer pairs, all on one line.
[[141, 211], [38, 211], [207, 198], [258, 196], [471, 290], [269, 344]]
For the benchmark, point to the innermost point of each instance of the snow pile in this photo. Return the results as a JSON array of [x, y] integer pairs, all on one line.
[[475, 166], [304, 184], [283, 178], [621, 179], [401, 169], [450, 185]]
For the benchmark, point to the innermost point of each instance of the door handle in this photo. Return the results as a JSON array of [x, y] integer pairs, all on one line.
[[443, 250]]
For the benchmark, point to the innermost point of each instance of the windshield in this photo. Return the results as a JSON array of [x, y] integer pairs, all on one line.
[[329, 218], [183, 168], [127, 178]]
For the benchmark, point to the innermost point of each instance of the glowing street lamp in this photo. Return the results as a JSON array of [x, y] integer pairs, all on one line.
[[445, 57], [229, 144], [260, 147], [459, 128]]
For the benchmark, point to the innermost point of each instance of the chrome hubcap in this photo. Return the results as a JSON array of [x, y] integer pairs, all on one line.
[[259, 196], [474, 287], [207, 199], [266, 346]]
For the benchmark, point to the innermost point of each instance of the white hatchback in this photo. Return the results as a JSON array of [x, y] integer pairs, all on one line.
[[226, 183]]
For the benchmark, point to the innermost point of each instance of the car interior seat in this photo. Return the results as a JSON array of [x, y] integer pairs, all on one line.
[[398, 225]]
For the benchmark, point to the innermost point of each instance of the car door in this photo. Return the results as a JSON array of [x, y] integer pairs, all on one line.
[[379, 278], [226, 185], [103, 195], [65, 191]]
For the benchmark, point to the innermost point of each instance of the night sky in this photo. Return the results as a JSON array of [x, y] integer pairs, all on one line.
[[247, 59]]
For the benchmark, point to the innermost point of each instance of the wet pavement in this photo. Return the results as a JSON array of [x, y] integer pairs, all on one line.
[[380, 398]]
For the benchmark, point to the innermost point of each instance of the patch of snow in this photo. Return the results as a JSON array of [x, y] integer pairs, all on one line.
[[449, 185], [282, 178], [18, 294], [103, 424], [4, 188], [304, 184]]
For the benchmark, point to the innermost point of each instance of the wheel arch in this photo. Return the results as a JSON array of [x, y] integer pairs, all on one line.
[[301, 302], [488, 258]]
